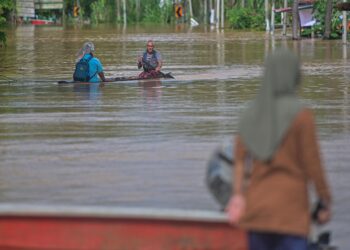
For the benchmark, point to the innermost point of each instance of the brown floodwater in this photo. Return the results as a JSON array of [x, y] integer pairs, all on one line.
[[147, 143]]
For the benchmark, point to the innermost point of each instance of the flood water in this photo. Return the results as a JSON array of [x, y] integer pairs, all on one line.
[[147, 144]]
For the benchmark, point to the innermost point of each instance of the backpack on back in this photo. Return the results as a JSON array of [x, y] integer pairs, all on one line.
[[82, 71]]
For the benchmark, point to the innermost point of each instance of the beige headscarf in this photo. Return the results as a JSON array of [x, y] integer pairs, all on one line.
[[87, 48], [264, 123]]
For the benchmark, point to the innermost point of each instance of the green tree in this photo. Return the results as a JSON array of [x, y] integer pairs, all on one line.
[[246, 18], [5, 7], [98, 11], [329, 23]]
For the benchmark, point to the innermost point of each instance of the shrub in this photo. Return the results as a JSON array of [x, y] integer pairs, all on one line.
[[244, 18]]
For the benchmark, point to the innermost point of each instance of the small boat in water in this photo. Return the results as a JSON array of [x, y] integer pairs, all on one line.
[[124, 79], [41, 22], [90, 228]]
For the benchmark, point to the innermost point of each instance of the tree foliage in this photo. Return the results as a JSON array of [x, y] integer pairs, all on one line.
[[100, 11], [5, 7], [153, 11], [246, 18], [320, 11]]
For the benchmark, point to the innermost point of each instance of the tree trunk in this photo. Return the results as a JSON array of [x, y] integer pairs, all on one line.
[[117, 10], [190, 6], [267, 22], [124, 12], [255, 4], [137, 10], [345, 32], [328, 20], [296, 21], [205, 12], [217, 13], [272, 26], [222, 14], [232, 3]]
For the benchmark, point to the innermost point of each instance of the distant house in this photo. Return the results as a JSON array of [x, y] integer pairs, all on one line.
[[28, 9], [48, 4], [25, 9], [305, 12]]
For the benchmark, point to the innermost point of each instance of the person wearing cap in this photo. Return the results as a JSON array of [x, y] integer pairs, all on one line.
[[150, 61], [96, 73], [277, 135]]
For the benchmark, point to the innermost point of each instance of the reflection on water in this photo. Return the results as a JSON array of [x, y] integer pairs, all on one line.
[[88, 91], [151, 91], [146, 143]]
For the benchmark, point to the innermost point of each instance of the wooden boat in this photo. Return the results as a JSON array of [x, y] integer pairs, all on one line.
[[41, 22], [29, 227], [123, 79]]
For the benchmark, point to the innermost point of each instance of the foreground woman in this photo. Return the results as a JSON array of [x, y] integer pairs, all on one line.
[[277, 133]]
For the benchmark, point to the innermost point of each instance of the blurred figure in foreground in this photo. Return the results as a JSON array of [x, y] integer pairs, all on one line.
[[277, 135]]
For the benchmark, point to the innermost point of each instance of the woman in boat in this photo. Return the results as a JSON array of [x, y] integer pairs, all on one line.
[[278, 135], [88, 68], [151, 61]]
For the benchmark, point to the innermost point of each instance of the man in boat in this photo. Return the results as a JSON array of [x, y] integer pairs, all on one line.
[[151, 61], [88, 68]]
